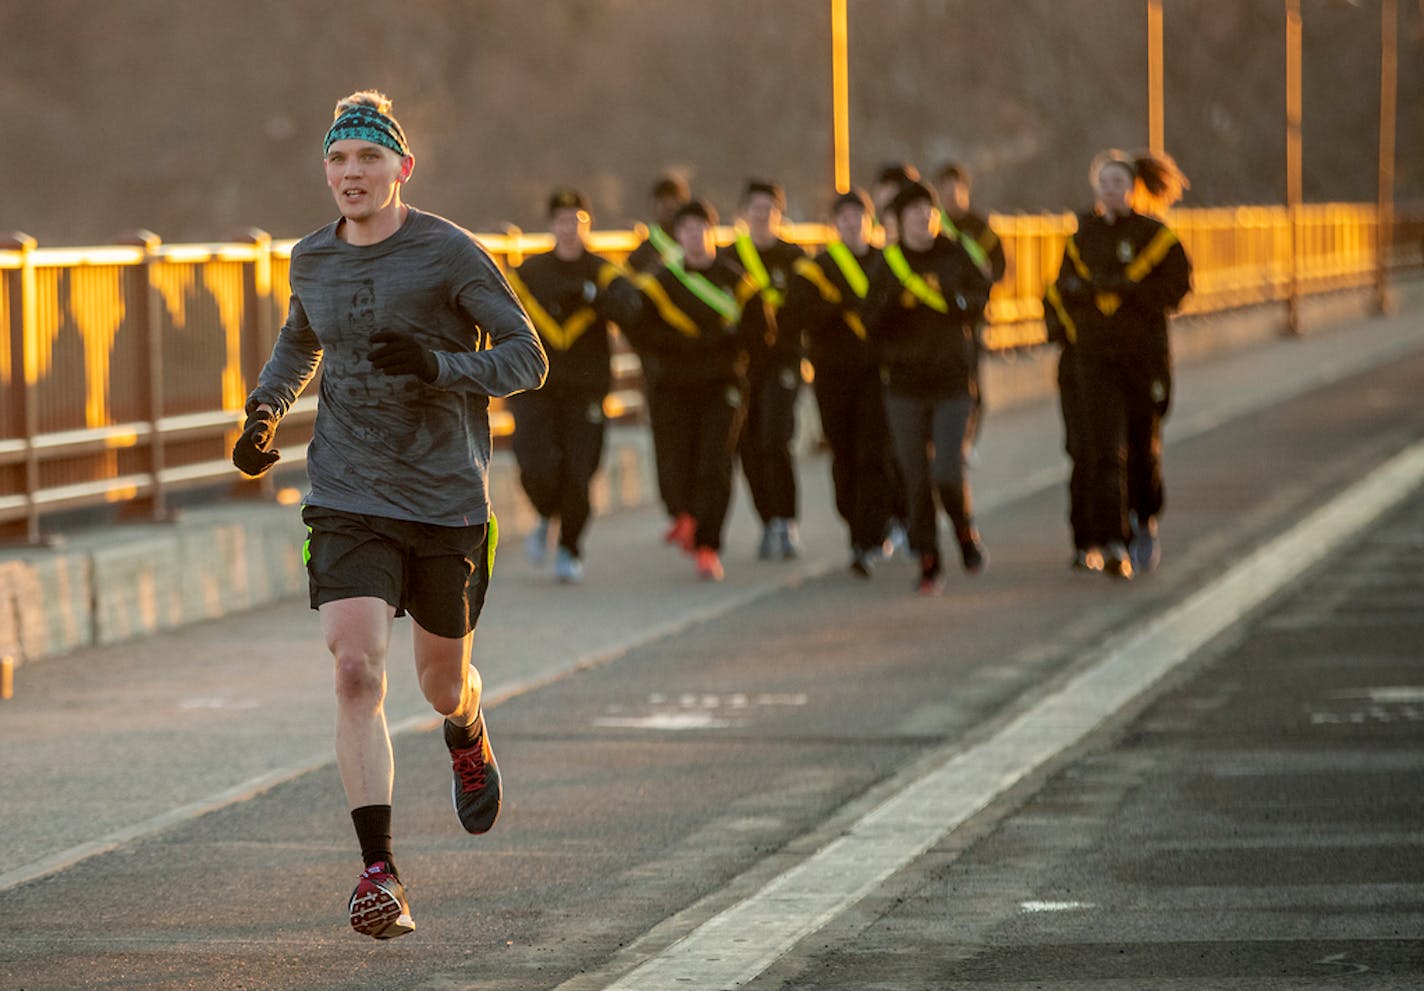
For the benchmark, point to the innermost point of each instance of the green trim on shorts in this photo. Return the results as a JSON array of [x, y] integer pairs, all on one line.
[[491, 541], [306, 548]]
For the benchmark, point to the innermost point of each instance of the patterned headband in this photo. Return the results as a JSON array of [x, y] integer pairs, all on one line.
[[367, 124]]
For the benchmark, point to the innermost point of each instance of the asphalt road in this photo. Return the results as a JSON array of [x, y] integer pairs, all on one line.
[[678, 757]]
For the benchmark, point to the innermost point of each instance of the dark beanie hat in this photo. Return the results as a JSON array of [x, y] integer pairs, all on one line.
[[772, 189], [910, 193], [567, 199], [855, 196], [696, 208], [899, 173], [672, 186]]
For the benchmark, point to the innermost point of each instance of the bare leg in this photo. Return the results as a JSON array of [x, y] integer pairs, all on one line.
[[447, 679], [358, 634]]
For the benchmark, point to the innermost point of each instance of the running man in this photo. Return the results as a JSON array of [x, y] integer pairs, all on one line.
[[415, 329]]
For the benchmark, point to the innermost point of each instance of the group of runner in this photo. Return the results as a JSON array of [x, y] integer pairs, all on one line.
[[889, 316]]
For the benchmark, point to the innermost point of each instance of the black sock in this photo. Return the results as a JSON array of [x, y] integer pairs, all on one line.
[[373, 830], [461, 737]]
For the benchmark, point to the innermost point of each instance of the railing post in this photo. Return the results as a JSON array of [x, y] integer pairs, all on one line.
[[149, 322], [24, 370]]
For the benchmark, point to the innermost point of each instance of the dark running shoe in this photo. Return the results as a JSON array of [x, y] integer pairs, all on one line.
[[972, 553], [930, 582], [1145, 548], [378, 907], [1116, 561], [477, 789], [1087, 559]]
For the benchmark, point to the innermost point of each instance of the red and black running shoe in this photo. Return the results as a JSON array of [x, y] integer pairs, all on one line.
[[477, 789], [378, 907]]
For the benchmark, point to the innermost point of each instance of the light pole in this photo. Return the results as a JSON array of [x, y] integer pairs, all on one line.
[[1293, 183], [1155, 135], [1389, 73], [840, 98]]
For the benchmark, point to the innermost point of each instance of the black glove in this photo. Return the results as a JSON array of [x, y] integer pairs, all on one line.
[[397, 353], [253, 453]]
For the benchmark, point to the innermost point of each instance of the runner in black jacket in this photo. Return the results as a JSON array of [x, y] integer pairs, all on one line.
[[1122, 273], [773, 370], [924, 298], [693, 321], [824, 305], [571, 295]]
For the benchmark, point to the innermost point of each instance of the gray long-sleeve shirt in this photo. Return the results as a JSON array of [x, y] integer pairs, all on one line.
[[392, 445]]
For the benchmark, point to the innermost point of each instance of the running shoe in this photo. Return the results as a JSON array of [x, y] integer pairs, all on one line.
[[709, 565], [477, 789], [1144, 548], [567, 568], [1116, 561], [682, 533], [930, 582], [972, 553], [766, 547], [862, 563], [897, 539], [1087, 559], [788, 537], [378, 907]]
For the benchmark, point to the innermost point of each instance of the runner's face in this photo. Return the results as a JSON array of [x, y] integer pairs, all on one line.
[[761, 213], [852, 225], [365, 178], [919, 223], [1114, 189], [694, 236], [569, 226]]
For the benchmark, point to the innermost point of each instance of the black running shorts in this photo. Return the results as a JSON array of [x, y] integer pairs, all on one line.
[[437, 574]]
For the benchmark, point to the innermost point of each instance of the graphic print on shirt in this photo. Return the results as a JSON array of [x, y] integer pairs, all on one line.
[[379, 407]]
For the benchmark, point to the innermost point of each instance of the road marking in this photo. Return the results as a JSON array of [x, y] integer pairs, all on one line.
[[1055, 906], [735, 946]]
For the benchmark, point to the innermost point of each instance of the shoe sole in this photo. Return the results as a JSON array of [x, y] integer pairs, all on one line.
[[379, 914]]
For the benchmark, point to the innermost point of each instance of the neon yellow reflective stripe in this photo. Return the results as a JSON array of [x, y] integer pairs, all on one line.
[[972, 247], [1071, 251], [306, 548], [756, 268], [608, 273], [669, 312], [491, 542], [913, 281], [1070, 329], [723, 302], [559, 336], [1151, 256], [666, 247], [849, 265], [812, 273]]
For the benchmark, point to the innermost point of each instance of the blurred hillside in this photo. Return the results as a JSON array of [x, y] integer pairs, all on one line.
[[199, 118]]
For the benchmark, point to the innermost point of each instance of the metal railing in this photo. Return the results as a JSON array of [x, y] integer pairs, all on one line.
[[124, 368]]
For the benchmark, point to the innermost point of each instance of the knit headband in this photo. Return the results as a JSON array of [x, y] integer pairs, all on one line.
[[367, 124]]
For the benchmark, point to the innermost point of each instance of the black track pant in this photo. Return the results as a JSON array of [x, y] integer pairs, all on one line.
[[700, 425], [1124, 399], [932, 440], [766, 442], [863, 472], [1070, 403], [558, 443]]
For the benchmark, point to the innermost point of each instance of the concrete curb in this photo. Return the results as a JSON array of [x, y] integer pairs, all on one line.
[[124, 582]]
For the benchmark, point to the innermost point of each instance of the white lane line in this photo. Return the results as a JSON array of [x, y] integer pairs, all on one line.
[[732, 948]]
